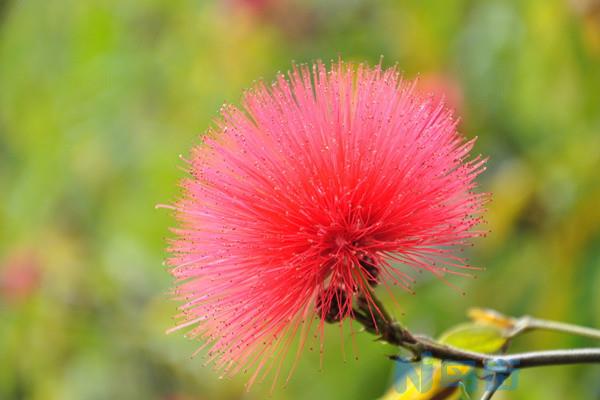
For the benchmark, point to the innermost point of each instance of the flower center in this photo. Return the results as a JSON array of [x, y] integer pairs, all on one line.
[[340, 241], [337, 241]]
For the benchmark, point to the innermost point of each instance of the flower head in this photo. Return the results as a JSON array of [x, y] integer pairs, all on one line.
[[328, 182]]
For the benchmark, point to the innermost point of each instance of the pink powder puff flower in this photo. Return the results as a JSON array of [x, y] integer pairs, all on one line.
[[20, 276], [443, 86], [327, 183]]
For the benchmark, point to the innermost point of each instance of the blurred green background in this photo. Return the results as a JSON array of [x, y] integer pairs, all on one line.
[[99, 98]]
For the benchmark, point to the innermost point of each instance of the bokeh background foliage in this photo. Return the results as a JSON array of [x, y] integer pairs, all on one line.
[[98, 99]]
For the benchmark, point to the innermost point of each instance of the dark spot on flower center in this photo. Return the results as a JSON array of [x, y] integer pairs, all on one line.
[[331, 303]]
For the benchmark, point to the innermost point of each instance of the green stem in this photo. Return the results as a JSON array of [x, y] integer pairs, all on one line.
[[527, 323]]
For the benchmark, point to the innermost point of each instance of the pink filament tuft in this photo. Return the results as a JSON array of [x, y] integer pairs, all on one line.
[[321, 171]]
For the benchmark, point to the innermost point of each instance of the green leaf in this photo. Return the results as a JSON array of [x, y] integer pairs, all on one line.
[[475, 337]]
